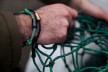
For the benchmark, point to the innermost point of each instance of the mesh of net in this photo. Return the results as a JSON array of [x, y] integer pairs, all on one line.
[[98, 33]]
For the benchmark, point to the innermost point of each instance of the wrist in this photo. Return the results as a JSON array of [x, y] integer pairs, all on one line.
[[25, 25]]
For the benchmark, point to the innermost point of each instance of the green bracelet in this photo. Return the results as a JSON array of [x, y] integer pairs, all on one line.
[[30, 39]]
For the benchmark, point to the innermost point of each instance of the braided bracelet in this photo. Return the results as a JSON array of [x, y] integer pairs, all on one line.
[[35, 20], [38, 26]]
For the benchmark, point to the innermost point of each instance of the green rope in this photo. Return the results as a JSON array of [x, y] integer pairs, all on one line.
[[97, 30]]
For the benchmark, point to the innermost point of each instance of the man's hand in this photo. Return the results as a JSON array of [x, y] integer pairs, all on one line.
[[89, 8], [55, 20]]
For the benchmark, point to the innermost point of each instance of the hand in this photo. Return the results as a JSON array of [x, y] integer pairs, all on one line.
[[55, 20], [89, 8]]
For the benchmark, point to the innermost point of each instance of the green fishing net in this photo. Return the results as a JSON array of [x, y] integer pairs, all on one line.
[[88, 30]]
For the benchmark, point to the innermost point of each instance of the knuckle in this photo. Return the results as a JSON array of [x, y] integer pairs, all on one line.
[[66, 13], [63, 9], [65, 23], [62, 36]]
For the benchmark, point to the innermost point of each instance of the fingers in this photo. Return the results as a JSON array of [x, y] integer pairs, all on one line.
[[72, 16], [73, 12], [93, 10]]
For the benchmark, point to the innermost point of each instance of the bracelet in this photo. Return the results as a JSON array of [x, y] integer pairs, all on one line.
[[38, 26], [35, 20]]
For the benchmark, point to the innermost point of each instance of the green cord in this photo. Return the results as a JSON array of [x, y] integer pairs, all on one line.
[[30, 39], [98, 31]]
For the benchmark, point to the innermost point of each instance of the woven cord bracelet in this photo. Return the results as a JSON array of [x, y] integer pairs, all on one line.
[[35, 19], [30, 39], [38, 26]]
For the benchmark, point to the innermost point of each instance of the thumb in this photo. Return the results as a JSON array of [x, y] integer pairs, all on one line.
[[73, 12], [72, 16]]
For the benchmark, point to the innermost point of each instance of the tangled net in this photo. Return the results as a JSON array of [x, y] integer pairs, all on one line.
[[90, 30]]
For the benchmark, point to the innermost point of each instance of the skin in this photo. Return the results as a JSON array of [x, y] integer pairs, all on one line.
[[89, 8], [56, 19]]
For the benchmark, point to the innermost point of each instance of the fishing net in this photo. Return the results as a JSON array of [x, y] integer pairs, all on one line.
[[88, 30]]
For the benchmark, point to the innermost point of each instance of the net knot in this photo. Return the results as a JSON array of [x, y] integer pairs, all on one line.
[[51, 63]]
